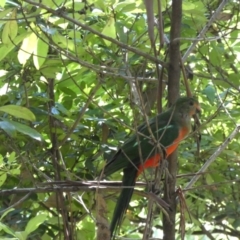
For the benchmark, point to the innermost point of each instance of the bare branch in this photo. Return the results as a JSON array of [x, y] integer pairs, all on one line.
[[213, 157], [204, 30]]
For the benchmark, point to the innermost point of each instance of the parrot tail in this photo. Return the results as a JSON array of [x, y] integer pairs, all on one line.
[[129, 180]]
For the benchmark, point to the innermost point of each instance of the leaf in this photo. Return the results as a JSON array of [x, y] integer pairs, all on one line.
[[27, 48], [6, 229], [26, 130], [109, 30], [5, 49], [14, 171], [34, 223], [21, 235], [41, 51], [209, 91], [125, 6], [2, 3], [8, 128], [10, 29], [236, 223], [3, 178], [62, 109], [18, 112], [12, 157], [6, 212], [4, 13]]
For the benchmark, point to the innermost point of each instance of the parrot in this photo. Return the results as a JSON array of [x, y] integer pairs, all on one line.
[[152, 142]]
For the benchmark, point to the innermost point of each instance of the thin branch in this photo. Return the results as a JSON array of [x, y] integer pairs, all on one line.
[[204, 30], [15, 204], [86, 27], [94, 90], [213, 157]]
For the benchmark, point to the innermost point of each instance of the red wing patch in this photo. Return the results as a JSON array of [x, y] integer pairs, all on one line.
[[154, 160]]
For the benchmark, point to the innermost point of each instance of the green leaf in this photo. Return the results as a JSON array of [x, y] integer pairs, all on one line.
[[5, 49], [41, 51], [2, 3], [18, 112], [3, 178], [10, 29], [34, 223], [21, 235], [8, 128], [109, 30], [11, 157], [6, 229], [236, 223], [62, 109], [6, 212], [4, 13], [26, 130], [210, 92], [27, 48], [15, 171], [61, 40]]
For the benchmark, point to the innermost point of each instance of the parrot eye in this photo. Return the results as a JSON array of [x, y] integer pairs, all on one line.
[[191, 103]]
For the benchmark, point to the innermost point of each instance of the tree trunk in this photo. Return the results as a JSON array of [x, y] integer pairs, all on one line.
[[173, 93]]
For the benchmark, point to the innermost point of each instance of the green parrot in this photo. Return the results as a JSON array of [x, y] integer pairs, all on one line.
[[140, 150]]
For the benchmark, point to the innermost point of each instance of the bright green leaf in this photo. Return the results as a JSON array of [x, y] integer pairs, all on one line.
[[5, 12], [18, 112], [10, 29], [21, 235], [15, 171], [34, 222], [2, 3], [27, 48], [6, 212], [12, 157], [109, 30], [3, 177], [6, 229], [5, 49], [40, 51], [63, 42]]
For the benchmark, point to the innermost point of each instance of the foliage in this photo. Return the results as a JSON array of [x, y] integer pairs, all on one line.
[[77, 77]]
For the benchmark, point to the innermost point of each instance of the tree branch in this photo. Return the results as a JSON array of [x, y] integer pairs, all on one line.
[[174, 72], [204, 30], [86, 27], [213, 157]]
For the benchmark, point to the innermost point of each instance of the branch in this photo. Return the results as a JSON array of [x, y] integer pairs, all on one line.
[[204, 30], [60, 13], [81, 113], [173, 93], [213, 157], [69, 186]]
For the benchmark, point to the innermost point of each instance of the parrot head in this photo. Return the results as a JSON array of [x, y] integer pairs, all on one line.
[[187, 105]]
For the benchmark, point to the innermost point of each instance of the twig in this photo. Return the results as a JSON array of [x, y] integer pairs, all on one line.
[[15, 204], [86, 27], [204, 30], [213, 157], [94, 90]]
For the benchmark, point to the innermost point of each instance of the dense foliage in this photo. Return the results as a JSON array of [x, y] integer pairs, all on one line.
[[77, 77]]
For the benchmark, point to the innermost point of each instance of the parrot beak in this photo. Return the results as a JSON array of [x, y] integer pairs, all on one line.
[[198, 108]]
